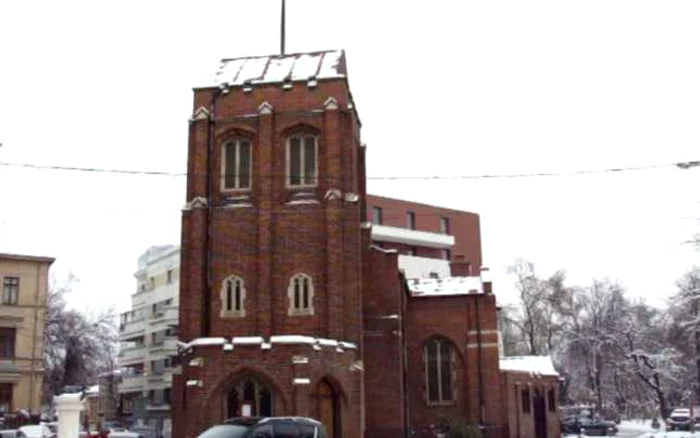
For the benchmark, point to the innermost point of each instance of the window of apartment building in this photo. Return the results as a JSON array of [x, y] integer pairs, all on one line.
[[446, 254], [525, 396], [302, 167], [411, 220], [166, 395], [10, 290], [7, 341], [5, 397], [236, 165], [301, 295], [377, 215], [170, 276], [445, 225], [232, 297], [439, 360], [152, 282]]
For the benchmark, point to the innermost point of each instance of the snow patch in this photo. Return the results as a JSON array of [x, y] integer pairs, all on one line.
[[541, 365], [204, 342], [444, 286], [292, 339], [276, 69], [248, 340]]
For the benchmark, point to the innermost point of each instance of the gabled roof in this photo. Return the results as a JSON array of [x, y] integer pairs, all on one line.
[[278, 68]]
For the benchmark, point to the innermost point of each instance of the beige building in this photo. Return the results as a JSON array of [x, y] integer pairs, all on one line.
[[24, 282]]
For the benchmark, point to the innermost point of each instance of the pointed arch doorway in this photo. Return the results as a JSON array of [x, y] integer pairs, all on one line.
[[328, 408]]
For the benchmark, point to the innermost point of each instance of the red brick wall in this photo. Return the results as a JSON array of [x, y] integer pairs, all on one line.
[[267, 243], [463, 225], [383, 349], [455, 318], [204, 406]]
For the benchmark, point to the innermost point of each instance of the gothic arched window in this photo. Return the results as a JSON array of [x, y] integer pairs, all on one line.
[[301, 295], [236, 165], [439, 357], [233, 297], [302, 160]]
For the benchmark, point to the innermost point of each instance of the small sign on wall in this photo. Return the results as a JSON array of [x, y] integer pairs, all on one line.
[[246, 410]]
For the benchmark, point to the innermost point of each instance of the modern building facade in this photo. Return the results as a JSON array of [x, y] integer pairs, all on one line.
[[148, 336], [302, 295], [22, 319]]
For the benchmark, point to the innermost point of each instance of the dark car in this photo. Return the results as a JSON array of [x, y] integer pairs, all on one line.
[[267, 427], [592, 427], [680, 420]]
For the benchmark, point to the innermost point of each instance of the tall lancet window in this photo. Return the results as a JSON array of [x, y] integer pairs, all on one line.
[[301, 295], [232, 297]]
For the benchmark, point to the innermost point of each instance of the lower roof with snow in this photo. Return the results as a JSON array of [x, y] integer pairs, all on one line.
[[433, 287], [541, 365]]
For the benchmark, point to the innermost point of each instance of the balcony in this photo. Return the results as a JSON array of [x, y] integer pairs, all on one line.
[[167, 346], [167, 316], [132, 355], [383, 233], [132, 329], [155, 406], [160, 378], [132, 383]]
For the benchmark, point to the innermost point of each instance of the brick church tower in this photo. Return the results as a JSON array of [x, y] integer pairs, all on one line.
[[273, 247]]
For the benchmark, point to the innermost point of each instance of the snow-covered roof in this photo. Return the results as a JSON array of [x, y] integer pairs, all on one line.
[[541, 365], [93, 390], [430, 287], [278, 68], [423, 267]]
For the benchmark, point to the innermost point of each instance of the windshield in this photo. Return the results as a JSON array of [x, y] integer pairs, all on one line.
[[225, 431]]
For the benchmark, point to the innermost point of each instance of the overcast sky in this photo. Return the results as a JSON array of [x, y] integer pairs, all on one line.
[[444, 87]]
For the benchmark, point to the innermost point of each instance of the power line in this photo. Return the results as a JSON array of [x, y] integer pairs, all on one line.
[[684, 165]]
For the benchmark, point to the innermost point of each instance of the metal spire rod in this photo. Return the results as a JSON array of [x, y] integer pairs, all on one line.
[[282, 28]]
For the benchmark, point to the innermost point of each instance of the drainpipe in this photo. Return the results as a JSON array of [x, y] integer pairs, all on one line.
[[206, 295], [486, 282], [404, 344], [479, 363], [32, 376]]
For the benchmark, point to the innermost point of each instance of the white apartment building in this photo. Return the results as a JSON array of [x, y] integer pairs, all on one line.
[[148, 337]]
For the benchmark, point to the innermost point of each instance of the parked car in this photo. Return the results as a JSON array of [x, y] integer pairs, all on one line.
[[267, 427], [680, 420], [35, 431], [593, 427]]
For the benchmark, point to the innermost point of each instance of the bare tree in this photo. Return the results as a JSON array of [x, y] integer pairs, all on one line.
[[538, 318], [77, 345]]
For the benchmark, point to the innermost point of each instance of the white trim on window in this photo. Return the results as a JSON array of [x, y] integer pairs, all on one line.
[[300, 293], [302, 175], [233, 297], [237, 175]]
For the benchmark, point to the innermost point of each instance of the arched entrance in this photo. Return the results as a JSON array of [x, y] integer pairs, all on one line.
[[249, 396], [328, 408]]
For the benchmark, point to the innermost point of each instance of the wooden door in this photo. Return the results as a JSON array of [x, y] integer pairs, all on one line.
[[327, 408]]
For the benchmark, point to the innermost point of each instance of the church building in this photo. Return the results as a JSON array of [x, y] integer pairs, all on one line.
[[302, 295]]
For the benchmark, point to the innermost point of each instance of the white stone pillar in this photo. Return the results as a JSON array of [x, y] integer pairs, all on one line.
[[68, 408]]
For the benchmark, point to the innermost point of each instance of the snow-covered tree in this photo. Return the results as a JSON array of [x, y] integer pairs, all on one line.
[[77, 345]]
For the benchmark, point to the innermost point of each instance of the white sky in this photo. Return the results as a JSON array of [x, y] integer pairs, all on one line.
[[443, 88]]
